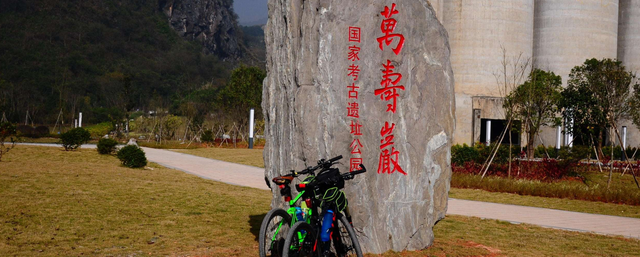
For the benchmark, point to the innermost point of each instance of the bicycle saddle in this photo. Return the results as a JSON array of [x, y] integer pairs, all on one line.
[[282, 180]]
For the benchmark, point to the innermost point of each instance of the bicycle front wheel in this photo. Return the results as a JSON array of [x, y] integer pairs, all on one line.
[[301, 241], [273, 232], [345, 242]]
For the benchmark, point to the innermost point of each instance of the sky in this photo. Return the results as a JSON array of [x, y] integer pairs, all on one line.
[[251, 12]]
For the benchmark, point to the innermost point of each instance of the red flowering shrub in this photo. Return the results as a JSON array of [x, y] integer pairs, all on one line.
[[545, 170]]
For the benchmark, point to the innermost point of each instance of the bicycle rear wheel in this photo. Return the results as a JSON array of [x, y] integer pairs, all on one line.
[[344, 240], [273, 232], [301, 241]]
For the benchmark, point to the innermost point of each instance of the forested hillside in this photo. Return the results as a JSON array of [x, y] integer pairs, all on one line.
[[101, 57]]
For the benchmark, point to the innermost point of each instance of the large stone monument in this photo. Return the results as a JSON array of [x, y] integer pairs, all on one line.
[[369, 80]]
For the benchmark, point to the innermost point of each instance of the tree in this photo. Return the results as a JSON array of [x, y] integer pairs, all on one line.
[[243, 92], [634, 104], [596, 97], [74, 138], [7, 130], [535, 103], [513, 72]]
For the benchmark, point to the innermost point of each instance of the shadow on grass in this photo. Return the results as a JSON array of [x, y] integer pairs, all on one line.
[[255, 221]]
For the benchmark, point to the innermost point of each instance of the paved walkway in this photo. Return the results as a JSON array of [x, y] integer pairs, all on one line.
[[231, 173], [567, 220], [250, 176]]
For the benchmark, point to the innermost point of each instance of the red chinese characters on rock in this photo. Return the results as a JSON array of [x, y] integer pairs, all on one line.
[[353, 91], [389, 83], [355, 128], [354, 71], [388, 26], [354, 34], [354, 164], [355, 146], [389, 92], [354, 51], [353, 109], [388, 157]]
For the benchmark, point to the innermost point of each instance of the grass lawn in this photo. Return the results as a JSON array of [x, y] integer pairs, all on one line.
[[467, 236], [58, 203], [623, 210], [252, 157], [594, 187]]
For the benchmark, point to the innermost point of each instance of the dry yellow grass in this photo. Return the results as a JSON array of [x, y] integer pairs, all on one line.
[[623, 210], [58, 203], [251, 157], [466, 236]]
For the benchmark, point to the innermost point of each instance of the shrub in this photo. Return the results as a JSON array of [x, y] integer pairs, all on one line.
[[74, 138], [461, 154], [541, 152], [132, 156], [207, 137], [25, 131], [41, 131], [107, 146], [570, 189], [545, 170], [99, 130], [7, 130]]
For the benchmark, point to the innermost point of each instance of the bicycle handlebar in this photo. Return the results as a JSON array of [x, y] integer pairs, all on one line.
[[351, 175], [322, 163], [335, 159]]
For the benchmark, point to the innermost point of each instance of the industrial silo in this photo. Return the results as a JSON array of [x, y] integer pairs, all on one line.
[[629, 54], [567, 33], [478, 30], [629, 34]]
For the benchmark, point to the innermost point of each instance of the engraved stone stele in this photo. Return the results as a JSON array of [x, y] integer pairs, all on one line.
[[305, 99]]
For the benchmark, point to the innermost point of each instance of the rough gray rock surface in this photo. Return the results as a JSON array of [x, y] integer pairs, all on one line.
[[305, 100], [211, 22]]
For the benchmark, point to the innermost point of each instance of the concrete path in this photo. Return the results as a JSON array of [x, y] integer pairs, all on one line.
[[226, 172], [574, 221], [231, 173], [250, 176]]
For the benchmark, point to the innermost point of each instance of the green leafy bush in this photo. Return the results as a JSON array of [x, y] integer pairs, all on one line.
[[541, 152], [7, 131], [132, 156], [74, 138], [100, 129], [25, 131], [107, 146], [461, 154], [207, 137], [41, 131]]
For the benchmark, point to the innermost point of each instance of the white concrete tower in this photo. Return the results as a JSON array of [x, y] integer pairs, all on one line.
[[629, 34], [566, 33], [569, 32], [629, 53], [477, 31]]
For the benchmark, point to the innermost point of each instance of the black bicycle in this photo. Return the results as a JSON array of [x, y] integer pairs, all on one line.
[[277, 222], [330, 233]]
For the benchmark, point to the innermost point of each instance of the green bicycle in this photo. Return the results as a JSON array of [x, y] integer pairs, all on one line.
[[331, 233], [277, 222]]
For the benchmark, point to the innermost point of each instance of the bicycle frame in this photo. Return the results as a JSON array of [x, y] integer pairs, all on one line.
[[285, 190]]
